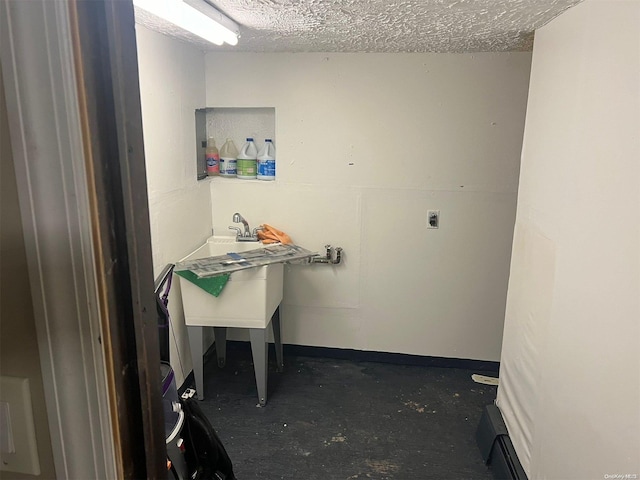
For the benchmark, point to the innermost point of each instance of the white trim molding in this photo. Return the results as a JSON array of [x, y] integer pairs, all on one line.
[[42, 103]]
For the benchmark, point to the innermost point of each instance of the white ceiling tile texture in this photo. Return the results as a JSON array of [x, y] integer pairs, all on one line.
[[379, 25]]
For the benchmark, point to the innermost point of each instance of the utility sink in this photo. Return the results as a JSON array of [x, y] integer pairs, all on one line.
[[249, 298]]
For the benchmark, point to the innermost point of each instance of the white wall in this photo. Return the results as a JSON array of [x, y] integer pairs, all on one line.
[[367, 143], [172, 86], [570, 375]]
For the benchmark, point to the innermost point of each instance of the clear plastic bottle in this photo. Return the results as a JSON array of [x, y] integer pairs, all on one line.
[[212, 158], [246, 166], [228, 156], [267, 161]]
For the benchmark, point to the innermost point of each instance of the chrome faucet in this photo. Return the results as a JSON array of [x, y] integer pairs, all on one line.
[[237, 218], [247, 235]]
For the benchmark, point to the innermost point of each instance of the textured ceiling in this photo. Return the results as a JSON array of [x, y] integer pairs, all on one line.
[[379, 25]]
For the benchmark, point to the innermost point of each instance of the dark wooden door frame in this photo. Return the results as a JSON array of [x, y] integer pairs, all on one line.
[[107, 76]]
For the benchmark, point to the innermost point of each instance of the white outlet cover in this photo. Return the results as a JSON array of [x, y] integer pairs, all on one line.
[[6, 433], [15, 392]]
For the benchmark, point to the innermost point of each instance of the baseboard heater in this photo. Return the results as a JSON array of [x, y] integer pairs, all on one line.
[[496, 447]]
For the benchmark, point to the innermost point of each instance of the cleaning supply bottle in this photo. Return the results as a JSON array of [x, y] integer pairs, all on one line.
[[247, 160], [213, 158], [228, 155], [267, 161]]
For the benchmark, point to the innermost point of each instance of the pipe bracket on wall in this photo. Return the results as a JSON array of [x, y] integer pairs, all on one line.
[[333, 256]]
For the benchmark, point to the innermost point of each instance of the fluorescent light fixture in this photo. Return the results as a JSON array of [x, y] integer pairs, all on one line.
[[195, 16]]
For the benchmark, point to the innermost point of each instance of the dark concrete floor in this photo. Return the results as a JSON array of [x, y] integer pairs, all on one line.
[[340, 419]]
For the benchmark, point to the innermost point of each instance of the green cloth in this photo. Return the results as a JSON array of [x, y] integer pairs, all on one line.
[[212, 285]]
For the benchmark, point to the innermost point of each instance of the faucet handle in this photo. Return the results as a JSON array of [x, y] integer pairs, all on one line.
[[238, 231], [256, 230]]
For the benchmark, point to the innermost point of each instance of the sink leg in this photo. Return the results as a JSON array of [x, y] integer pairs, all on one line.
[[260, 360], [277, 337], [220, 334], [195, 343]]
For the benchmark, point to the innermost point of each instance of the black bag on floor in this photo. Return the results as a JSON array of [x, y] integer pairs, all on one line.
[[204, 453]]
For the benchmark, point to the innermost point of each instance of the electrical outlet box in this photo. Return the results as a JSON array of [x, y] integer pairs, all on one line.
[[433, 219]]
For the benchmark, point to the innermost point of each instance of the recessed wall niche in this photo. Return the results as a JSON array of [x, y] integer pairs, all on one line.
[[236, 123]]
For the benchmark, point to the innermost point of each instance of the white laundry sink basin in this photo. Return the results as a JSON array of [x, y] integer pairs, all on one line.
[[249, 298]]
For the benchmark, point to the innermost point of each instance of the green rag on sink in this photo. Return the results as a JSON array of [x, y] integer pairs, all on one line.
[[212, 285]]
